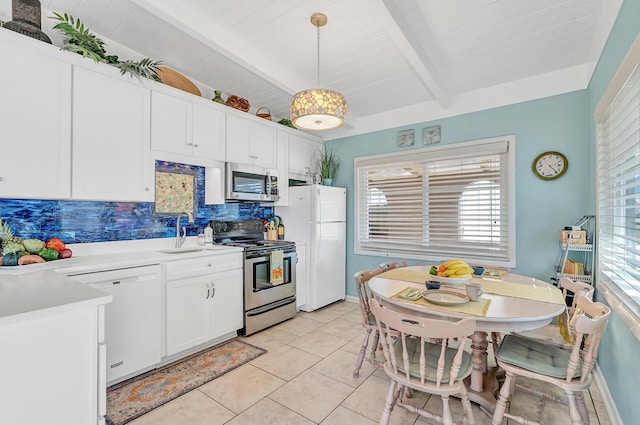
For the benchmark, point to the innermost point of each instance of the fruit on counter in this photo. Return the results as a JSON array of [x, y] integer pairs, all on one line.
[[56, 244], [33, 245], [49, 254], [11, 259], [65, 253], [433, 270], [13, 246], [30, 259], [454, 268], [10, 243]]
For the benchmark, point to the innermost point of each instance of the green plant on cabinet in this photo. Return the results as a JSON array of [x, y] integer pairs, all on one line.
[[328, 163], [83, 42]]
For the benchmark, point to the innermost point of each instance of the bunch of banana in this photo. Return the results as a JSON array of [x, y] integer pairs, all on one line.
[[456, 268]]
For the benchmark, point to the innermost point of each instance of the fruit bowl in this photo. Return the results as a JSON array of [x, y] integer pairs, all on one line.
[[450, 280]]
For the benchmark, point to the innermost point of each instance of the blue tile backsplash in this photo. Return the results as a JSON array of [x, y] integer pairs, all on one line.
[[92, 221]]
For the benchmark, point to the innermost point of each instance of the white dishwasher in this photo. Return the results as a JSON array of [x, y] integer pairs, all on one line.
[[133, 321]]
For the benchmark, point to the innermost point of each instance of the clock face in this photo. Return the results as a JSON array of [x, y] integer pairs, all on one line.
[[550, 165]]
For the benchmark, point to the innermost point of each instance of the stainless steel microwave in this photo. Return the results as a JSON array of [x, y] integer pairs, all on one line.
[[251, 183]]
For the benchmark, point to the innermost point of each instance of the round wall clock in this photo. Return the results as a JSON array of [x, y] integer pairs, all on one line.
[[550, 165]]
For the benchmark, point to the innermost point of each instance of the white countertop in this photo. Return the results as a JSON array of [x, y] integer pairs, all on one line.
[[39, 289]]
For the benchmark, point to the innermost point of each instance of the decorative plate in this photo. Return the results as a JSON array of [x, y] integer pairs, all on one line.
[[447, 298], [451, 280]]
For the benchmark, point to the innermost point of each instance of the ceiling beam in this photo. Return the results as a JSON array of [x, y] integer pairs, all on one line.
[[253, 58], [400, 30]]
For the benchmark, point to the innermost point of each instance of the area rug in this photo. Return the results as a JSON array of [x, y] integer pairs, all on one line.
[[134, 398]]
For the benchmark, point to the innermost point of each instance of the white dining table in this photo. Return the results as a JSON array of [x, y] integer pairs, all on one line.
[[505, 314]]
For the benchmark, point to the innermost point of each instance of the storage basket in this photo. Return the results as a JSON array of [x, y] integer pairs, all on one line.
[[574, 237], [266, 116], [238, 103]]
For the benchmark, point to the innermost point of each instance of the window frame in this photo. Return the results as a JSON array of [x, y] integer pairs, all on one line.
[[483, 147], [616, 296]]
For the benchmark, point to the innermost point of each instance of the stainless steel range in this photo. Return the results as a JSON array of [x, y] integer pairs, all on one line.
[[265, 303]]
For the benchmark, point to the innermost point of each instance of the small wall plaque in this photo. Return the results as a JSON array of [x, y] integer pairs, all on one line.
[[431, 135], [405, 138]]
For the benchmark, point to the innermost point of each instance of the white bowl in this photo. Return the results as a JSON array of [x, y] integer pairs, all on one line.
[[450, 280]]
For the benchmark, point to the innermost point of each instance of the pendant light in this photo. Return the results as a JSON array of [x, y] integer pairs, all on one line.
[[318, 109]]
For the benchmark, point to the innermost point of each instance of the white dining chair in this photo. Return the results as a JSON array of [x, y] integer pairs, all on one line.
[[556, 333], [368, 320], [413, 361], [570, 370]]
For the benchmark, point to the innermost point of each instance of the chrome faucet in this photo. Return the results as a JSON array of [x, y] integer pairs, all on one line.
[[180, 239]]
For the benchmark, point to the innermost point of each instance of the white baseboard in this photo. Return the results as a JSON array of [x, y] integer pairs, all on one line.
[[614, 416], [352, 299]]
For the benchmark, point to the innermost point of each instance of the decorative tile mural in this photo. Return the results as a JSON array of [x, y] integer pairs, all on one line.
[[91, 221], [175, 193]]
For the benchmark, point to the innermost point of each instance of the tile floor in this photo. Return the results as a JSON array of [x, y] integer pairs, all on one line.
[[306, 378]]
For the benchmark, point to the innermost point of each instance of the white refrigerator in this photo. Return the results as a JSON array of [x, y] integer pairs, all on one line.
[[316, 220]]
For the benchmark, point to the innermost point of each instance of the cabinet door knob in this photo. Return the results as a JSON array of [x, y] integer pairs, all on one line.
[[146, 189], [1, 179], [195, 145], [189, 144], [213, 289]]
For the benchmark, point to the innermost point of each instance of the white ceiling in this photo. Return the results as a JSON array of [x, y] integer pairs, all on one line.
[[397, 62]]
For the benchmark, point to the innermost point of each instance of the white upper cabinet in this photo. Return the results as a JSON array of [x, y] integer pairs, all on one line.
[[251, 142], [183, 127], [35, 123], [111, 154], [302, 154]]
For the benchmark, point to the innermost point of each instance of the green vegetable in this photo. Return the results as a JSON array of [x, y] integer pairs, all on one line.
[[33, 245], [11, 259], [10, 247], [49, 254], [433, 270]]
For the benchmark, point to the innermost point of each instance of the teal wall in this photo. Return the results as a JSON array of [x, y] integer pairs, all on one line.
[[619, 348], [563, 123], [557, 123]]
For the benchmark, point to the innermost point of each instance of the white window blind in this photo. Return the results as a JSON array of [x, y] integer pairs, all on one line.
[[435, 203], [618, 186]]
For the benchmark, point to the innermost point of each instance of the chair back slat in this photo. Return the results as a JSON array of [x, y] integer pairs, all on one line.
[[589, 323], [576, 288], [416, 330]]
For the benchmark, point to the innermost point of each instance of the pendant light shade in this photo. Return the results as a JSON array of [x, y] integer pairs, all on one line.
[[318, 109]]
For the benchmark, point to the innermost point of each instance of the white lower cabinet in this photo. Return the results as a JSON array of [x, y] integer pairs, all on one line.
[[204, 301], [52, 367]]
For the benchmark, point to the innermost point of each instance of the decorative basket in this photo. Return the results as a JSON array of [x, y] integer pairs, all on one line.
[[238, 103], [266, 116]]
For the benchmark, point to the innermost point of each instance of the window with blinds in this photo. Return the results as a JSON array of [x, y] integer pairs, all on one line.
[[439, 202], [618, 185]]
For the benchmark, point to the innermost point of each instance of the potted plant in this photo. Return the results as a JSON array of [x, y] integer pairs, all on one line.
[[328, 164]]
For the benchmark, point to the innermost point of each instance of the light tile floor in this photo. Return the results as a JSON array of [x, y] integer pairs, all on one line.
[[306, 378]]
